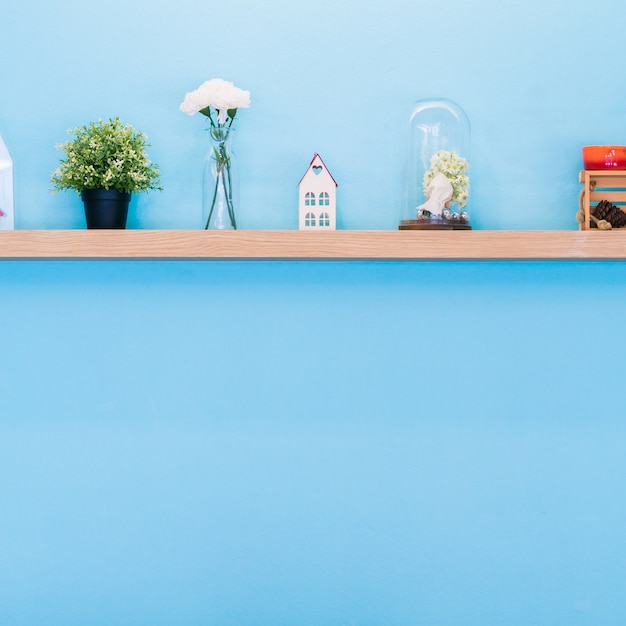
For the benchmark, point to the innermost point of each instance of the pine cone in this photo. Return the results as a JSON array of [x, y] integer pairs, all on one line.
[[604, 210]]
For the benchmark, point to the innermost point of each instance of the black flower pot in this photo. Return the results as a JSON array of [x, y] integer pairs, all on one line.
[[105, 208]]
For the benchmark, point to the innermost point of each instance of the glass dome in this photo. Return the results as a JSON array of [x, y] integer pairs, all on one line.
[[6, 188], [436, 190]]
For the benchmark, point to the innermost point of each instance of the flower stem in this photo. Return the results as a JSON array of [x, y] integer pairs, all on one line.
[[223, 179]]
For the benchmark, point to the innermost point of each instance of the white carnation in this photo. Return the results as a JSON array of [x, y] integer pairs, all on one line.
[[217, 93]]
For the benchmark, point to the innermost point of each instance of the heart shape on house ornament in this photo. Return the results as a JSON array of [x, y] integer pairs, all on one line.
[[317, 169]]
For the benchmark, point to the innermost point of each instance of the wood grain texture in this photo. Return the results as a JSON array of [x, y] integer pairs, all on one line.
[[332, 245]]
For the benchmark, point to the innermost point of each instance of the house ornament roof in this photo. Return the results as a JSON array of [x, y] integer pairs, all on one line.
[[317, 156]]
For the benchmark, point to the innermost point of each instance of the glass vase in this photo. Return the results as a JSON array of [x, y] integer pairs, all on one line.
[[220, 182]]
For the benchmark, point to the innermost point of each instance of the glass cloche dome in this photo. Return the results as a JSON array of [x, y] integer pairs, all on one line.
[[436, 189]]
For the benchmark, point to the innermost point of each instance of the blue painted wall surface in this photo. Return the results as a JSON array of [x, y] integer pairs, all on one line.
[[313, 443]]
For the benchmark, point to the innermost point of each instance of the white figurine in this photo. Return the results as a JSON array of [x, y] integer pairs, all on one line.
[[438, 194]]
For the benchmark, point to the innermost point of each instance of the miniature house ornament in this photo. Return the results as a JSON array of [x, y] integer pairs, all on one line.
[[317, 198], [7, 220], [436, 189]]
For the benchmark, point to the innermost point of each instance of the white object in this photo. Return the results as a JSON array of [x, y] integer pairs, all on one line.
[[439, 193], [317, 204], [7, 219]]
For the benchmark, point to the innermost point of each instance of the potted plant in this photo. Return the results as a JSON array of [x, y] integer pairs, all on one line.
[[105, 162]]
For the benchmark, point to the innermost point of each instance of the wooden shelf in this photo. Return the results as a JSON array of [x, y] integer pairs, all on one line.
[[330, 245]]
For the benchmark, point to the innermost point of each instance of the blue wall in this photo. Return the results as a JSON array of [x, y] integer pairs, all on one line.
[[313, 443]]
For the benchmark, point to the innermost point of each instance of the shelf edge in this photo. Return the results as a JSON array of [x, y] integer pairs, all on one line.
[[357, 245]]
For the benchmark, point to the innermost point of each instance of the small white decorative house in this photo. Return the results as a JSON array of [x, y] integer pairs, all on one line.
[[317, 204], [7, 220]]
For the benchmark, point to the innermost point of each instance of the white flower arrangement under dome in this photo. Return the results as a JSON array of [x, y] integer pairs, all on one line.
[[219, 94]]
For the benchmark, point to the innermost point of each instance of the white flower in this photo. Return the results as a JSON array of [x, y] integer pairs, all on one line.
[[217, 93]]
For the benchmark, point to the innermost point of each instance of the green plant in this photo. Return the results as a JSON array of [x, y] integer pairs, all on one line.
[[106, 155]]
